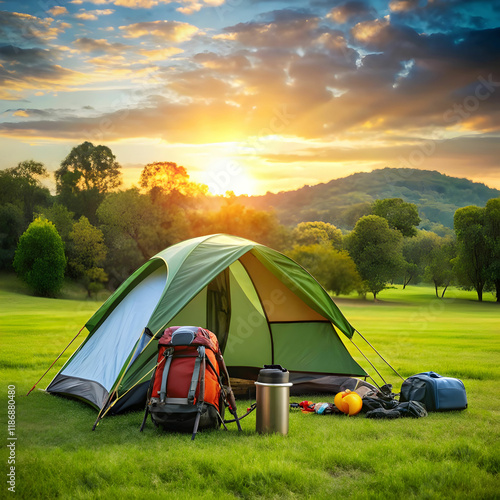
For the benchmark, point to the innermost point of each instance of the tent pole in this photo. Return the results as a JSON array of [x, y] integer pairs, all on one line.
[[55, 361], [108, 407], [380, 356], [372, 365]]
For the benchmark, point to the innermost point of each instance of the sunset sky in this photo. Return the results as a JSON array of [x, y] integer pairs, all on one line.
[[255, 95]]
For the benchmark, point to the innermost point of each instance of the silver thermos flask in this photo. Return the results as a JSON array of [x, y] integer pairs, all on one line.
[[273, 395]]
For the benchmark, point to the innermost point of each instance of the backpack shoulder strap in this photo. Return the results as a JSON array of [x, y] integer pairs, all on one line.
[[163, 389], [196, 374]]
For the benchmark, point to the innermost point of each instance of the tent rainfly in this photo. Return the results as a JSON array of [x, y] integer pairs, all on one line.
[[263, 307]]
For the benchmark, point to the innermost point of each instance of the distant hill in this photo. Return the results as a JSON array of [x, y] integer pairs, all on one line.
[[343, 201]]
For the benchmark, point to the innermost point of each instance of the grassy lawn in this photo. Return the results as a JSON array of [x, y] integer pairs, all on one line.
[[446, 455]]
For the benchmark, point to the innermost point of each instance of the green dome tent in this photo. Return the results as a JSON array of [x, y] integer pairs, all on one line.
[[263, 307]]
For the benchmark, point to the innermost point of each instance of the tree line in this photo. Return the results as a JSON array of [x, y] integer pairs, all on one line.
[[93, 232]]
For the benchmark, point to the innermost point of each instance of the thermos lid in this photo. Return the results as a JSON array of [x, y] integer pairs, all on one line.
[[273, 374]]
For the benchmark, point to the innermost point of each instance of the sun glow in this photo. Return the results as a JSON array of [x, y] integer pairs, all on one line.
[[224, 174]]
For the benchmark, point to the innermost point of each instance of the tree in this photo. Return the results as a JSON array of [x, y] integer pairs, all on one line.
[[492, 235], [62, 218], [350, 215], [135, 229], [474, 253], [39, 259], [167, 179], [416, 252], [134, 215], [259, 225], [21, 191], [21, 186], [401, 215], [11, 228], [334, 269], [86, 175], [310, 233], [376, 250], [439, 269], [86, 255]]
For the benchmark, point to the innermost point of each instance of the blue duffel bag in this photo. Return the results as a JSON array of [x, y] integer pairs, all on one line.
[[437, 393]]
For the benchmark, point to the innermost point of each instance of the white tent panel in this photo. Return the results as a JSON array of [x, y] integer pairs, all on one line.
[[106, 352]]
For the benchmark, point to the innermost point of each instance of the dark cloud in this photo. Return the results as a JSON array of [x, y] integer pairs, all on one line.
[[284, 16], [465, 148], [19, 29], [24, 56], [206, 122], [32, 113], [33, 68], [442, 15]]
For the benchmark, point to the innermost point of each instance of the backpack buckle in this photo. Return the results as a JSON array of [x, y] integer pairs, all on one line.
[[169, 351]]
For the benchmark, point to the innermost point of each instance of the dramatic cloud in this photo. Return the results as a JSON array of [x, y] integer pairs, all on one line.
[[403, 5], [17, 28], [368, 31], [352, 10], [23, 56], [349, 83]]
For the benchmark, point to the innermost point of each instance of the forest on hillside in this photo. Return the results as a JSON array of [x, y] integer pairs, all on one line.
[[343, 201], [94, 232]]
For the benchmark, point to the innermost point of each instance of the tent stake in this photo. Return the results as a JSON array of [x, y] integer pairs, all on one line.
[[55, 361], [380, 356]]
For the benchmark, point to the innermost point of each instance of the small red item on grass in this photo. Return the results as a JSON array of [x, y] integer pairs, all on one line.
[[307, 406]]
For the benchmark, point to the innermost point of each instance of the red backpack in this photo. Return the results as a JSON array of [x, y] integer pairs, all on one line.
[[190, 386]]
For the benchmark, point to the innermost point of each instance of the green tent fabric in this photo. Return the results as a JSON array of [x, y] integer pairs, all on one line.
[[263, 307]]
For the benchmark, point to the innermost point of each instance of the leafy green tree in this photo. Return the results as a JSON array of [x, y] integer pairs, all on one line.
[[310, 233], [261, 226], [21, 191], [474, 253], [86, 175], [350, 215], [62, 218], [133, 214], [439, 269], [21, 186], [11, 228], [376, 250], [492, 234], [334, 269], [416, 252], [87, 254], [39, 259], [401, 215], [135, 229]]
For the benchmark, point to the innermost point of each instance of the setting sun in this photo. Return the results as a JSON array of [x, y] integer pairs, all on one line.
[[225, 174]]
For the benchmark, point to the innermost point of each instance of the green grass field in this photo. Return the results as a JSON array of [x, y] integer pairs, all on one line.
[[446, 455]]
